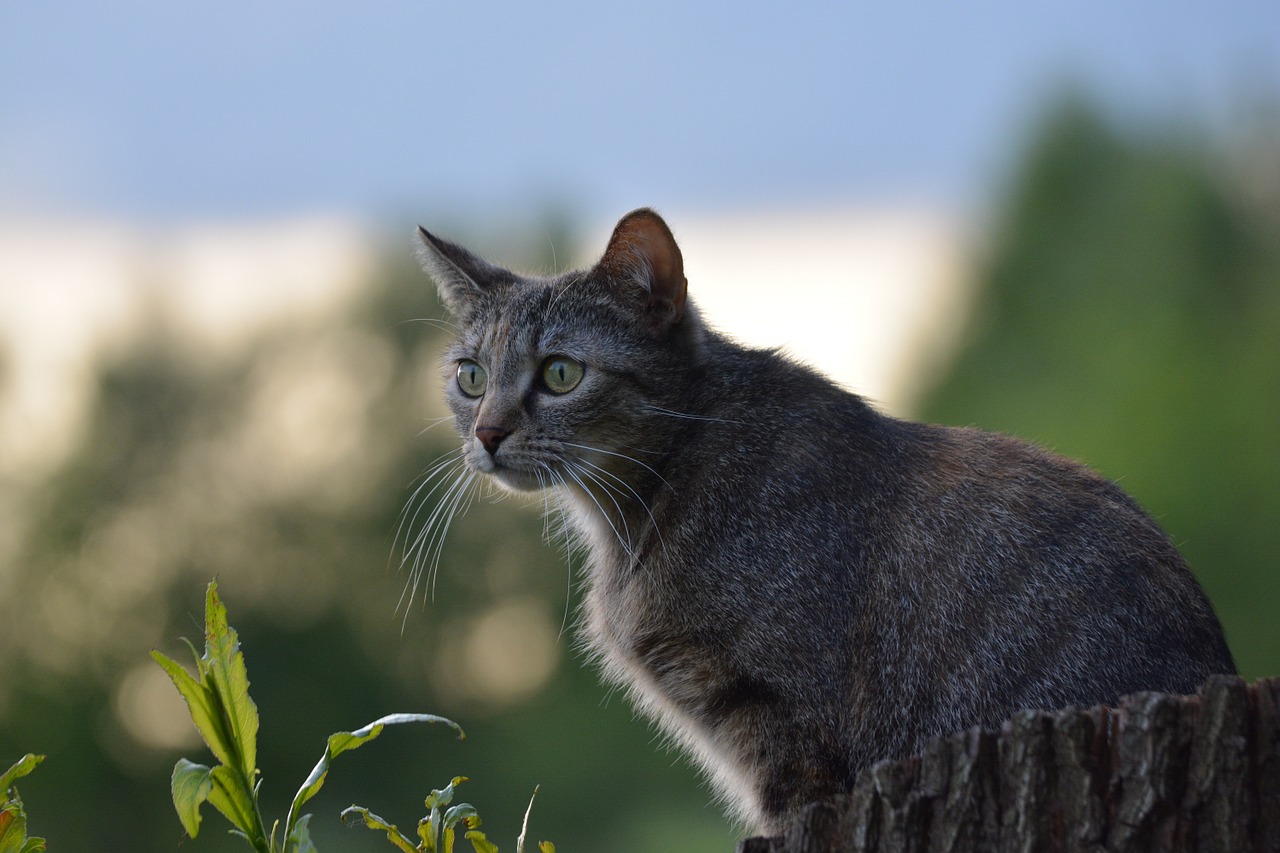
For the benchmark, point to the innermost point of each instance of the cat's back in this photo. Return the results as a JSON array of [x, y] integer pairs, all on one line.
[[955, 550]]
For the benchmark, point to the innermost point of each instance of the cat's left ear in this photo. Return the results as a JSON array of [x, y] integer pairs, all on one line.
[[643, 250], [460, 276]]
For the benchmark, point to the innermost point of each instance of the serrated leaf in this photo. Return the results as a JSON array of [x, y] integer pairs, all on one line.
[[480, 842], [20, 768], [230, 796], [203, 706], [190, 786], [340, 742], [228, 679], [372, 821]]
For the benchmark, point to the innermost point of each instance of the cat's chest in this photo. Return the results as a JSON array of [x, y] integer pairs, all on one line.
[[624, 599]]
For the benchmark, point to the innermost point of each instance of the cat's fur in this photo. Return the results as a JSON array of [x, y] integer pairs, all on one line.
[[789, 582]]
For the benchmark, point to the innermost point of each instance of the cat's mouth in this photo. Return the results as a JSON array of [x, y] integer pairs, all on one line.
[[512, 478]]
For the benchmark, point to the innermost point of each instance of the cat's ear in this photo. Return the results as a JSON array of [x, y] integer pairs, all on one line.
[[460, 276], [642, 249]]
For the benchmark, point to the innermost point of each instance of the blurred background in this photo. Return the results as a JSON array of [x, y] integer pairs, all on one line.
[[1061, 222]]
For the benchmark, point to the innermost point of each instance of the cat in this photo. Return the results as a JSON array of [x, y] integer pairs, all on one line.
[[792, 584]]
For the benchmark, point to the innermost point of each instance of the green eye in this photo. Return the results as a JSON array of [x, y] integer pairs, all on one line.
[[561, 374], [471, 378]]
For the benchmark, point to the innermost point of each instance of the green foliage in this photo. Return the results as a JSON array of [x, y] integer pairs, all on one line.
[[1128, 317], [13, 819], [438, 830], [227, 720]]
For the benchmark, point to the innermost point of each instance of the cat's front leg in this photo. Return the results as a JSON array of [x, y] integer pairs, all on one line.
[[766, 743]]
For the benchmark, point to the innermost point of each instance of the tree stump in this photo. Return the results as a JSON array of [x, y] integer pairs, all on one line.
[[1155, 773]]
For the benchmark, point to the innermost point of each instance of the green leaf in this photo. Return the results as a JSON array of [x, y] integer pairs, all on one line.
[[21, 767], [203, 705], [228, 679], [34, 845], [546, 847], [372, 821], [13, 828], [340, 742], [480, 842], [190, 786], [299, 841], [229, 795], [461, 812], [444, 796], [427, 831]]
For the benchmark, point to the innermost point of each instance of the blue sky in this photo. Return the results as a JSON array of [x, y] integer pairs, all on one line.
[[166, 111]]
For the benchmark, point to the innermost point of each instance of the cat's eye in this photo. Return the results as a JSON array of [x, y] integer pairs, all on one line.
[[561, 374], [472, 378]]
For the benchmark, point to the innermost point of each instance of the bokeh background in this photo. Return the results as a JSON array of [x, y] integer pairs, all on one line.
[[1060, 221]]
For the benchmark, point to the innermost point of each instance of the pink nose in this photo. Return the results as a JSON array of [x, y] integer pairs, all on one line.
[[491, 437]]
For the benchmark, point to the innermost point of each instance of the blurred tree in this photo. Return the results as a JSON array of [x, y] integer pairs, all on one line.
[[1130, 317]]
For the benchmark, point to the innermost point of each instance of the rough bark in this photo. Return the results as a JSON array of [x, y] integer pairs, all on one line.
[[1156, 773]]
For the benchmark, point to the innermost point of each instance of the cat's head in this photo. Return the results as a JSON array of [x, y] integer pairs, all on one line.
[[568, 380]]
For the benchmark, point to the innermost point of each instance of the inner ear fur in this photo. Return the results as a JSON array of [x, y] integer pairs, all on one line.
[[460, 276], [642, 247]]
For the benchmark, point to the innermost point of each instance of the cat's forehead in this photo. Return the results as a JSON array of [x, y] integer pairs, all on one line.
[[532, 314]]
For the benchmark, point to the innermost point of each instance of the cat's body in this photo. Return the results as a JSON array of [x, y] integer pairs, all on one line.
[[791, 583]]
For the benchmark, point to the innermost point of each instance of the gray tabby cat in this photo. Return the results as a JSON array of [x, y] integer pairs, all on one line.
[[792, 584]]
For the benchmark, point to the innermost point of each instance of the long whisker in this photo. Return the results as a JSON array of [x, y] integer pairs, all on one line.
[[435, 422], [451, 456], [573, 476], [552, 479], [460, 506], [607, 489], [634, 494], [443, 325], [426, 540], [432, 530], [675, 414], [420, 500], [407, 522], [622, 456]]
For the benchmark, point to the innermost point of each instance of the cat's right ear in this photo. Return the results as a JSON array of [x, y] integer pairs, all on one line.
[[460, 277], [643, 251]]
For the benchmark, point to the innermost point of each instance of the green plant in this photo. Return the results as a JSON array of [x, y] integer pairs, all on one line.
[[227, 719], [13, 820], [437, 831]]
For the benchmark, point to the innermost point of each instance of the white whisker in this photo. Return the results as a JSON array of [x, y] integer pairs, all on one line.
[[443, 325], [563, 529], [424, 552], [433, 424], [606, 488], [407, 521], [634, 494], [630, 459], [573, 476], [675, 414]]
